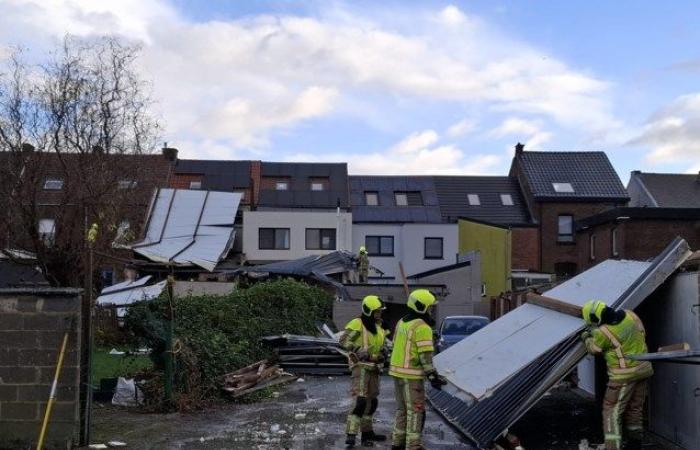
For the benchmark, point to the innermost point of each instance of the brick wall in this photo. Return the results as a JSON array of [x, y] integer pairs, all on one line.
[[32, 325], [552, 251], [525, 248], [183, 180], [639, 239], [255, 179]]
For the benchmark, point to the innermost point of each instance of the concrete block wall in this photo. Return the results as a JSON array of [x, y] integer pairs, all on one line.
[[32, 326]]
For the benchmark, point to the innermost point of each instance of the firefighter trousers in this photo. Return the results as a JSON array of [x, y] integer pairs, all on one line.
[[623, 412], [410, 413], [364, 391]]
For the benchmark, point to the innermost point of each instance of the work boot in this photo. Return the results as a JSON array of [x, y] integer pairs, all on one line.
[[372, 436], [350, 441]]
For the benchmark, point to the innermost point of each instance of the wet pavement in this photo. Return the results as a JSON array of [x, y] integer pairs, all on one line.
[[306, 415]]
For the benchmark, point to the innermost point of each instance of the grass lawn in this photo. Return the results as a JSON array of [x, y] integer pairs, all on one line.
[[105, 365]]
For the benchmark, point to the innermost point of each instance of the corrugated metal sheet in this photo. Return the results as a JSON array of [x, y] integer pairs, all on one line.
[[128, 292], [499, 373], [187, 227]]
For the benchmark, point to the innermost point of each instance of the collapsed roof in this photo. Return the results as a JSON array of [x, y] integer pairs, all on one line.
[[523, 354], [189, 227]]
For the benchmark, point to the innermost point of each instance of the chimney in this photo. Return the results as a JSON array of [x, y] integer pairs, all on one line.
[[519, 148], [97, 149], [169, 153], [256, 179], [27, 148]]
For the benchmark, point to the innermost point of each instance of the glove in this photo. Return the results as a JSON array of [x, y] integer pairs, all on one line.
[[362, 354], [437, 381], [585, 335]]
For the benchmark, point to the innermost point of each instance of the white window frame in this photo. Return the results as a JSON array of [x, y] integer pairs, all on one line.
[[565, 237], [613, 241], [53, 184], [563, 188], [196, 185], [507, 200], [473, 199]]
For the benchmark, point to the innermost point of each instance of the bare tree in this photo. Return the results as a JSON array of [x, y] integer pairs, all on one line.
[[74, 133]]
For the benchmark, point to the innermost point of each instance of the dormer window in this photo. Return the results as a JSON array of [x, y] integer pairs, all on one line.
[[282, 186], [195, 185], [371, 198], [401, 199], [563, 188], [319, 184], [474, 199], [408, 198], [506, 200], [53, 184]]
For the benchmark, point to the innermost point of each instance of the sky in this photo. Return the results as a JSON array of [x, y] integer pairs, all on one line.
[[404, 87]]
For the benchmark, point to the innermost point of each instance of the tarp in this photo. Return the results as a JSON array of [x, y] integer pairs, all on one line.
[[189, 227], [497, 374]]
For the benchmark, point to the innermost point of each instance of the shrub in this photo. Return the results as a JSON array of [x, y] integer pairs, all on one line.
[[214, 335]]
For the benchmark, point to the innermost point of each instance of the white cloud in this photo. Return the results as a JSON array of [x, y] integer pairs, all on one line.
[[529, 131], [417, 154], [673, 133], [238, 80], [461, 128]]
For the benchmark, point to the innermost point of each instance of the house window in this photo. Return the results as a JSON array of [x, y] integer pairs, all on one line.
[[319, 184], [483, 289], [474, 199], [371, 198], [566, 228], [127, 184], [379, 245], [273, 238], [53, 184], [565, 270], [563, 187], [591, 244], [432, 247], [282, 185], [47, 231], [506, 200], [320, 238], [401, 198], [195, 185], [412, 198], [613, 240]]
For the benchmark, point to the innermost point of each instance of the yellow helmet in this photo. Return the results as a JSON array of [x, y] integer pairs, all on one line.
[[370, 304], [592, 311], [420, 300], [363, 249]]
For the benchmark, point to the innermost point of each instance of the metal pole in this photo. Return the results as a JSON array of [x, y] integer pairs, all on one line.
[[87, 419], [52, 396], [169, 366]]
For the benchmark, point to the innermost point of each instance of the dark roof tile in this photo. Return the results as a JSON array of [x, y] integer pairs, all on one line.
[[673, 190], [387, 211]]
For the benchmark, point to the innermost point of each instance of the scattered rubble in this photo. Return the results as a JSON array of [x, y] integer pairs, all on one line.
[[309, 354], [254, 377]]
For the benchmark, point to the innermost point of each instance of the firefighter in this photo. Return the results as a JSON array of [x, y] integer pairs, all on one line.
[[618, 334], [363, 264], [364, 339], [411, 364]]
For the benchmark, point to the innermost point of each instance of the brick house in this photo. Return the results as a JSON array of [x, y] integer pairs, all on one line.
[[634, 233], [560, 188]]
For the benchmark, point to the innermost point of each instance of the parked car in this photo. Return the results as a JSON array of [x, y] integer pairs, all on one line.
[[455, 328]]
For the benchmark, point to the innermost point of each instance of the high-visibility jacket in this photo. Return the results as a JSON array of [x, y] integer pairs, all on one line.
[[616, 343], [363, 264], [410, 339], [372, 342]]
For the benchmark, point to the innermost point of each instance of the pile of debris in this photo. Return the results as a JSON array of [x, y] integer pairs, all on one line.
[[309, 355], [254, 377]]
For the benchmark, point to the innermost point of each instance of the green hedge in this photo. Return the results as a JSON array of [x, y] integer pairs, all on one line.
[[219, 334]]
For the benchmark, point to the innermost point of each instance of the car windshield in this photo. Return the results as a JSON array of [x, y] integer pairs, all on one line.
[[463, 325]]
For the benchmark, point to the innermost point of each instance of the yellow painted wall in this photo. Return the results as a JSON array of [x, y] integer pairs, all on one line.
[[494, 245]]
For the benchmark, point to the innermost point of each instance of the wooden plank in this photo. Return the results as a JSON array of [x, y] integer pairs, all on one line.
[[674, 347], [405, 281], [284, 378], [554, 304]]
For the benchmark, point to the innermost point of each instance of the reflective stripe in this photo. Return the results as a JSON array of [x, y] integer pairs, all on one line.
[[406, 370], [593, 347], [637, 321], [424, 343], [616, 343], [365, 338], [644, 365]]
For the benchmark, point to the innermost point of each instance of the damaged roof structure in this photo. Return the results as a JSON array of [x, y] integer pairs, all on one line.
[[189, 227], [527, 351]]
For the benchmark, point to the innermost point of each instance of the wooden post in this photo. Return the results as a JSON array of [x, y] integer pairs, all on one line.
[[405, 281]]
